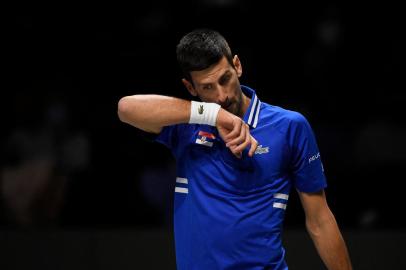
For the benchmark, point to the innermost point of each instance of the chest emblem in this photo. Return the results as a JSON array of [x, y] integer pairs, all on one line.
[[261, 150], [205, 138]]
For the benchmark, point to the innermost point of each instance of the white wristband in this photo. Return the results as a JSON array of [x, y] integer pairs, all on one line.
[[203, 113]]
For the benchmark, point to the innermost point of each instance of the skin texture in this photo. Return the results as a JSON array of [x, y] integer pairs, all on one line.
[[323, 229], [218, 84]]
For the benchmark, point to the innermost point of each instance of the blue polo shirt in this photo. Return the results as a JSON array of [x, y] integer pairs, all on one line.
[[228, 212]]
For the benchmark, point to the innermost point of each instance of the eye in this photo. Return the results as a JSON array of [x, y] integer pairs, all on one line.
[[225, 79], [207, 87]]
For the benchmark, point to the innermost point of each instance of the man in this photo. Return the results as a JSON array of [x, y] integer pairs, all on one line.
[[231, 191]]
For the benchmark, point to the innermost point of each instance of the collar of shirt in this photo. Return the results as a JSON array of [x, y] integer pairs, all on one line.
[[252, 113]]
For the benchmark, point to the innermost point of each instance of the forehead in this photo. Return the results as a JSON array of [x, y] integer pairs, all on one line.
[[212, 73]]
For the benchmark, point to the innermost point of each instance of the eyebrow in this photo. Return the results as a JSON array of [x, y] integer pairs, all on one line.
[[226, 73]]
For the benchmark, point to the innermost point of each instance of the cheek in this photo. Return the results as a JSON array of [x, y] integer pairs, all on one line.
[[234, 89], [207, 97], [235, 85]]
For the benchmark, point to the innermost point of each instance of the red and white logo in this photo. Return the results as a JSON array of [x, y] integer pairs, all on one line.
[[205, 138]]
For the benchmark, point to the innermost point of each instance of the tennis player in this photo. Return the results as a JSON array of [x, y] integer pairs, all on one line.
[[238, 159]]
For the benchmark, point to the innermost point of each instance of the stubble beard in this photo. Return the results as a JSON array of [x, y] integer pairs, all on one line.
[[238, 103]]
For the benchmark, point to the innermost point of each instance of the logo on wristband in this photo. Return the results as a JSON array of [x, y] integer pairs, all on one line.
[[201, 109]]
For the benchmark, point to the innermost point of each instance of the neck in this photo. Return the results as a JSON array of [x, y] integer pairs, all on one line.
[[244, 104]]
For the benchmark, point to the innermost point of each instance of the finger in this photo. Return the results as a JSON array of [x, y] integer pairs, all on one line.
[[238, 123], [235, 153], [246, 142], [254, 145], [241, 138]]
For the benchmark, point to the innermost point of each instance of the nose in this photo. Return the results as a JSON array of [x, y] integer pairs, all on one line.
[[221, 95]]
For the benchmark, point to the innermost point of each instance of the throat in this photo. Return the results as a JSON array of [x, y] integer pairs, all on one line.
[[245, 102]]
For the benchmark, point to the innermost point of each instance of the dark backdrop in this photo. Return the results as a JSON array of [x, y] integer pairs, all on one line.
[[68, 162]]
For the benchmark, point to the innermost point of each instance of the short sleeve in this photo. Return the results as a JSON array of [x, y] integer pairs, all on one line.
[[305, 163], [168, 136]]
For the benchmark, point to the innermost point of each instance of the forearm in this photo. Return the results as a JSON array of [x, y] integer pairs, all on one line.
[[329, 243], [152, 112]]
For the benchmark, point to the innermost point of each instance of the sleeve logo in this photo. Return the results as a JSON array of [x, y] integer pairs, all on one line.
[[313, 158]]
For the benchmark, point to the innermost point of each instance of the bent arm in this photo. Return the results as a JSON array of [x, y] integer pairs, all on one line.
[[324, 231], [152, 112]]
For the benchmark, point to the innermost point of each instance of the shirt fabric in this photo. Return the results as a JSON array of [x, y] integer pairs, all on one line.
[[228, 212]]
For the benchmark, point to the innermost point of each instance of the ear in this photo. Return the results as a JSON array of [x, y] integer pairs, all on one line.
[[189, 87], [237, 65]]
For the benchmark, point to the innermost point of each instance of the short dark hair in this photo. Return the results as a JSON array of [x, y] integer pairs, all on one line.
[[200, 49]]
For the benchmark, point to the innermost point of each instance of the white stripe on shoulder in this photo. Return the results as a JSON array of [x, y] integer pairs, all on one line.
[[256, 114], [181, 190], [281, 196], [181, 180], [252, 109]]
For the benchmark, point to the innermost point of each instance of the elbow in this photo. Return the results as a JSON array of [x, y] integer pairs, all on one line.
[[134, 110], [124, 108], [314, 229], [317, 225]]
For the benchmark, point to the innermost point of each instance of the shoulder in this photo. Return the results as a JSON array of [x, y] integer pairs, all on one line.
[[282, 118]]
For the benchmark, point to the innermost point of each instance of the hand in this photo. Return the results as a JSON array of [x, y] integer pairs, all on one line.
[[235, 133]]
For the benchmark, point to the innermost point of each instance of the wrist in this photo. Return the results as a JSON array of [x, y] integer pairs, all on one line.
[[204, 113], [224, 119]]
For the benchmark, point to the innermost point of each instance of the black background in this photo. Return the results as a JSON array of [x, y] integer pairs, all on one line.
[[338, 64]]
